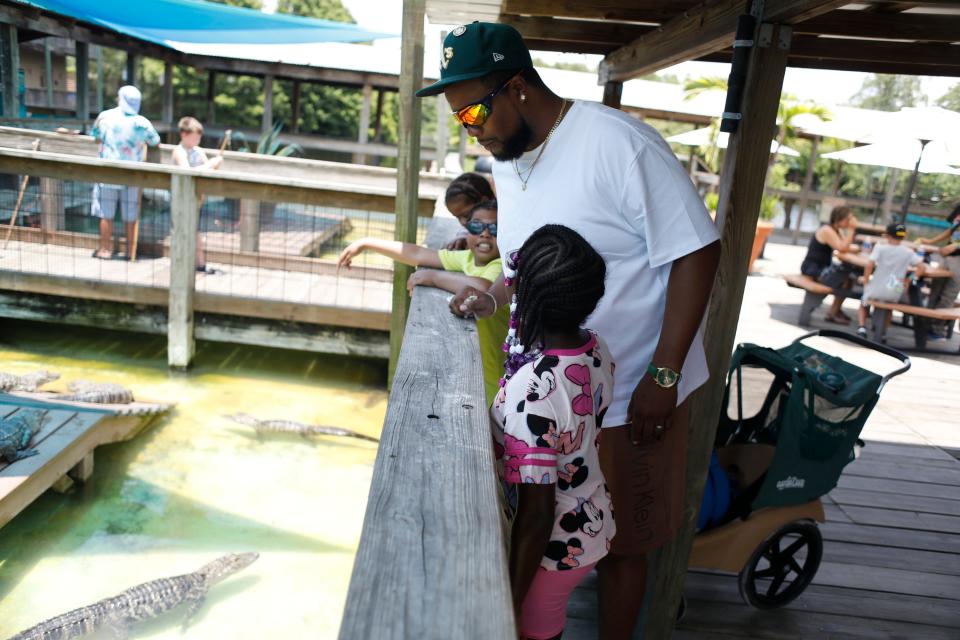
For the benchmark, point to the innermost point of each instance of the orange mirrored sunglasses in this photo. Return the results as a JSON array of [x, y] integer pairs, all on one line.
[[474, 115]]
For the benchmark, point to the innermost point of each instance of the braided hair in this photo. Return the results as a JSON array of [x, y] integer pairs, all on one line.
[[559, 282], [470, 186]]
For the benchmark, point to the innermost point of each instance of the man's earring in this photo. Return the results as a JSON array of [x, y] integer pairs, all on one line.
[[523, 97]]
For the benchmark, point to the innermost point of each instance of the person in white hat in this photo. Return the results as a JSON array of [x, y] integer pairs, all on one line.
[[122, 133]]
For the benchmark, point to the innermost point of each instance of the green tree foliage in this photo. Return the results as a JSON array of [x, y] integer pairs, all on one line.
[[951, 99], [885, 92], [325, 9]]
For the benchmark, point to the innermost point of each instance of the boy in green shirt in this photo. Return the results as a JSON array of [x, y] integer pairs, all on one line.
[[477, 266]]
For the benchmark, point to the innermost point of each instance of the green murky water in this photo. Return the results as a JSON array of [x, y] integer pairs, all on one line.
[[195, 486]]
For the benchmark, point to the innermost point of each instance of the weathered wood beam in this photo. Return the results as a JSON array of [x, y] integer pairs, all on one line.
[[82, 65], [211, 94], [612, 34], [266, 122], [167, 106], [864, 24], [100, 80], [702, 30], [130, 70], [807, 186], [184, 215], [9, 74], [742, 182], [408, 164], [295, 108], [635, 11], [612, 93], [363, 127], [48, 72], [596, 48]]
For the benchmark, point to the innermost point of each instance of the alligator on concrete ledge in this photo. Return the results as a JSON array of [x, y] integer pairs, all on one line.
[[17, 432], [142, 602], [298, 428], [97, 393], [29, 382]]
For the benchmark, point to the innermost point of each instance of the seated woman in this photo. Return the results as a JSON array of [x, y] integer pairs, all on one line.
[[837, 235]]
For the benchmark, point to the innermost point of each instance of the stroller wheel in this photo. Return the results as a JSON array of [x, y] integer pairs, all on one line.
[[782, 566]]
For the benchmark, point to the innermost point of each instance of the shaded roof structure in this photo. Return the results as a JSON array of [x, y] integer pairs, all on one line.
[[173, 23], [882, 36]]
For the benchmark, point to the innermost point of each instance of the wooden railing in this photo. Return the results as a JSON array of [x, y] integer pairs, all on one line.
[[256, 178], [432, 558]]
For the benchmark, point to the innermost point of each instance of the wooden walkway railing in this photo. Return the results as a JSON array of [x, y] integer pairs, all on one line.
[[172, 285], [431, 561]]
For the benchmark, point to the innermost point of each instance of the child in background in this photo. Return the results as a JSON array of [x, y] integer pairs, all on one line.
[[884, 277], [477, 266], [189, 154], [547, 419], [464, 193]]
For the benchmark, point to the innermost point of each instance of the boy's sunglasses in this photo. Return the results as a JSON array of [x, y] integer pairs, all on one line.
[[475, 227], [474, 115]]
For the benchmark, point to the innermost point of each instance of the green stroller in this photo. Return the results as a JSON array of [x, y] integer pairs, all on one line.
[[774, 466]]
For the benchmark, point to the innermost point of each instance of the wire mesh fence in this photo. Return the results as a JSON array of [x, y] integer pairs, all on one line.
[[253, 249]]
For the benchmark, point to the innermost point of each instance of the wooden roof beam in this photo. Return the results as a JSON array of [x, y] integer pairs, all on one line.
[[651, 11], [864, 24], [700, 31], [609, 34]]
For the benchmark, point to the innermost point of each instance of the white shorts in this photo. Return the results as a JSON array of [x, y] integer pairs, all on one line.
[[106, 197]]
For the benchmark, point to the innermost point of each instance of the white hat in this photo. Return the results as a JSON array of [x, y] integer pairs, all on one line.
[[129, 100]]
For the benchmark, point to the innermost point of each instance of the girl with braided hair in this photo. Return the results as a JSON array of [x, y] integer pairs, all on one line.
[[463, 193], [547, 417]]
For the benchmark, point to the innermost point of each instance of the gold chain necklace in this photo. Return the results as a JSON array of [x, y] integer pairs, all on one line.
[[543, 147]]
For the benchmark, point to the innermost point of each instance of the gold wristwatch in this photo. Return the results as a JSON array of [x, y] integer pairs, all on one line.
[[664, 376]]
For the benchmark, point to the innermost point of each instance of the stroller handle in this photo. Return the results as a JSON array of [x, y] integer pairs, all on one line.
[[862, 342]]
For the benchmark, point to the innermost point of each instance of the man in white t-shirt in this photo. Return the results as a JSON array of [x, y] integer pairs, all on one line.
[[614, 180]]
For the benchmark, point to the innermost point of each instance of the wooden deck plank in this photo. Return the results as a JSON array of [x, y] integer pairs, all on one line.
[[899, 487], [904, 471], [887, 580], [868, 555], [893, 501], [905, 451], [891, 537], [903, 519]]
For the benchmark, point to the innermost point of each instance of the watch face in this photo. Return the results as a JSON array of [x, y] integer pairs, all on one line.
[[666, 377]]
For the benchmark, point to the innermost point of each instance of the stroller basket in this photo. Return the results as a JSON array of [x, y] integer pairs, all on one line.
[[813, 413]]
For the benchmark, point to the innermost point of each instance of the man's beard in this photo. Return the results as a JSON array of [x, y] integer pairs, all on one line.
[[516, 145]]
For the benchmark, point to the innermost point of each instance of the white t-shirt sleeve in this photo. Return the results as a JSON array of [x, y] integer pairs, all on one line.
[[661, 204]]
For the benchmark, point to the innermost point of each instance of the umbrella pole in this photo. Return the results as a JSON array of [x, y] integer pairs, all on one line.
[[913, 183]]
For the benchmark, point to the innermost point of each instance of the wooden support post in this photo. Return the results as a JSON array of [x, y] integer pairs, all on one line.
[[131, 70], [378, 118], [741, 187], [167, 109], [408, 164], [100, 80], [48, 71], [83, 80], [267, 122], [295, 107], [211, 93], [443, 131], [9, 71], [612, 93], [888, 195], [249, 225], [807, 186], [183, 260], [363, 130], [52, 215], [83, 469]]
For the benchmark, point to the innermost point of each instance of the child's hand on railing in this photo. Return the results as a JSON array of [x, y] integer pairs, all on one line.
[[421, 277], [348, 254], [457, 244], [471, 302]]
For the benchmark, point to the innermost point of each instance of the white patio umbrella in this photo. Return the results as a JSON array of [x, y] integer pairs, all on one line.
[[701, 138], [919, 139]]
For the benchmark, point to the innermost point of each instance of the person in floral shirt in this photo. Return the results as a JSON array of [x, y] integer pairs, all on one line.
[[123, 134]]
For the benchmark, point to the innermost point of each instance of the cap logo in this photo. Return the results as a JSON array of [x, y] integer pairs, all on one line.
[[459, 31], [497, 57], [447, 57]]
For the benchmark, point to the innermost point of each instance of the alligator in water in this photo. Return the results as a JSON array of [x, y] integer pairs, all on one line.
[[17, 432], [142, 602], [28, 382], [298, 428], [97, 393]]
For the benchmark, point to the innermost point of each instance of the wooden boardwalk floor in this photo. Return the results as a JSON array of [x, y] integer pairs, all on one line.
[[891, 553], [254, 282]]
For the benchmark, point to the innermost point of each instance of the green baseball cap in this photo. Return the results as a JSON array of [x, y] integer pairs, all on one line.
[[474, 50]]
